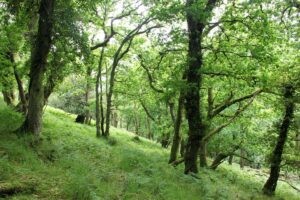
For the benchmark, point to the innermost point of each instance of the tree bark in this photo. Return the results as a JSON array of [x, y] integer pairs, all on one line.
[[242, 160], [8, 96], [177, 125], [270, 186], [22, 96], [87, 94], [33, 121], [194, 80], [202, 154], [148, 124], [221, 156], [182, 147], [99, 106]]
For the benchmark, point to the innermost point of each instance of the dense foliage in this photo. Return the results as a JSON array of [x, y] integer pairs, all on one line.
[[210, 80]]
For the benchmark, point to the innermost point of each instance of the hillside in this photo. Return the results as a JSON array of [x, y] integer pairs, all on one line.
[[71, 163]]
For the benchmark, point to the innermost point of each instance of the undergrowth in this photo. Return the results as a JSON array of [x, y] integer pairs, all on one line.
[[71, 163]]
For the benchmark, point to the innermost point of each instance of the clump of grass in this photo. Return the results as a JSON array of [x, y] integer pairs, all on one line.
[[136, 139], [112, 141]]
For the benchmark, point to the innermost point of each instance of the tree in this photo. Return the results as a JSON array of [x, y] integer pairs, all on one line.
[[33, 121], [196, 26], [270, 185]]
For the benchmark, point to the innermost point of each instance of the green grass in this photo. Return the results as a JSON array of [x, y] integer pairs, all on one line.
[[71, 163]]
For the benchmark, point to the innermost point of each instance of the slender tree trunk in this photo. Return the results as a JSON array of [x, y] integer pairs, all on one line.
[[177, 125], [242, 160], [87, 94], [33, 121], [148, 124], [8, 96], [128, 124], [102, 121], [22, 96], [136, 125], [230, 159], [270, 186], [99, 106], [48, 89], [182, 147]]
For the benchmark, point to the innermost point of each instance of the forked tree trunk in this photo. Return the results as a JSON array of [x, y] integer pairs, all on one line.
[[33, 121], [270, 186]]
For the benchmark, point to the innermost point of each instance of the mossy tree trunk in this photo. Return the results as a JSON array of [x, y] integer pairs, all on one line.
[[33, 121], [177, 125], [196, 28]]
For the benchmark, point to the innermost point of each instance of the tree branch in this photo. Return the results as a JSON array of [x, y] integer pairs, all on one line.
[[150, 78], [221, 127], [227, 104], [146, 110]]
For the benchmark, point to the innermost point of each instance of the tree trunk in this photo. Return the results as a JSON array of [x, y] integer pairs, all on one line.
[[230, 159], [148, 123], [202, 153], [182, 147], [8, 97], [115, 121], [177, 125], [218, 160], [136, 125], [99, 106], [87, 94], [270, 186], [221, 156], [22, 96], [195, 30], [33, 121], [128, 122], [242, 160]]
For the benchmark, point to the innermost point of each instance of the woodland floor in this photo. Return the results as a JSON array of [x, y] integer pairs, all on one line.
[[71, 163]]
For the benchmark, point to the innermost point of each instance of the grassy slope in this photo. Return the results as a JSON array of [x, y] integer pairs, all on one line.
[[71, 163]]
